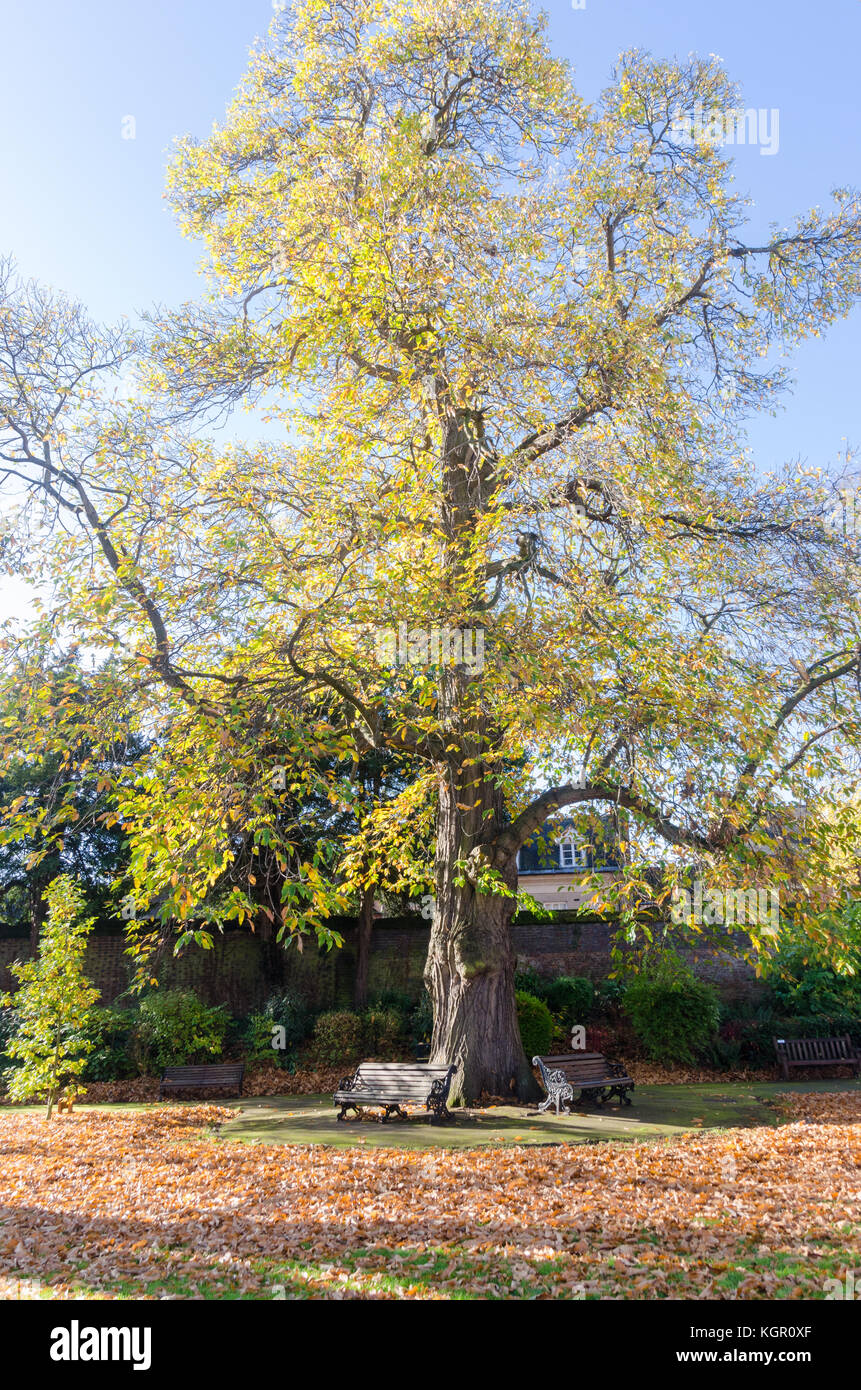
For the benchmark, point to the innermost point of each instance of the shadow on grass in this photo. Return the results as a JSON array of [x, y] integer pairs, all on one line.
[[657, 1112]]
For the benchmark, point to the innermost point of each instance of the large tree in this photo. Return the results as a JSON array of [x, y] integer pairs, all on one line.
[[512, 341]]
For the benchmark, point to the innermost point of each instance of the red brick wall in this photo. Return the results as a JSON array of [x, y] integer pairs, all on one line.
[[233, 971]]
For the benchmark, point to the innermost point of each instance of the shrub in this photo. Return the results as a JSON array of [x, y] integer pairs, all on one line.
[[810, 988], [749, 1042], [528, 981], [338, 1036], [392, 1033], [110, 1031], [608, 998], [604, 1040], [286, 1010], [536, 1024], [421, 1022], [384, 1033], [8, 1029], [673, 1013], [396, 999], [570, 996], [256, 1038], [53, 1004], [291, 1013], [176, 1028]]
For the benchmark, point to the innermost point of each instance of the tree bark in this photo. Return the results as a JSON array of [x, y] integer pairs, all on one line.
[[470, 965], [363, 948], [38, 913]]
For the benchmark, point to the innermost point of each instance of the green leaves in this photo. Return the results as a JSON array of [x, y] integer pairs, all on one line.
[[53, 1004]]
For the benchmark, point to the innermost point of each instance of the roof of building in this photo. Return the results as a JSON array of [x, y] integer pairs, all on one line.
[[596, 841]]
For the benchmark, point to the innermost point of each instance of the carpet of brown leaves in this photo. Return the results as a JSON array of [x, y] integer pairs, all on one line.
[[261, 1079], [154, 1204]]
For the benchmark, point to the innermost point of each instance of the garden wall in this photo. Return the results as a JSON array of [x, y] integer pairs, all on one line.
[[242, 971]]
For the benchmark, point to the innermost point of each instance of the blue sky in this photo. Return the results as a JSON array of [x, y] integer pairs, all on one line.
[[82, 208]]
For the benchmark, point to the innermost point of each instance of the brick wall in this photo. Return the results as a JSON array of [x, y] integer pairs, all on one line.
[[241, 971]]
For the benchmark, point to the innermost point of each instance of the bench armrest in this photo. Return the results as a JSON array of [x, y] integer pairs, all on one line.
[[554, 1075]]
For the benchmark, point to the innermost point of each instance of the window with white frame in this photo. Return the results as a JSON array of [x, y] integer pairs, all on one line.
[[571, 855]]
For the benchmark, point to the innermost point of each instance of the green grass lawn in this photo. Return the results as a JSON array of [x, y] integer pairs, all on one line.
[[657, 1112]]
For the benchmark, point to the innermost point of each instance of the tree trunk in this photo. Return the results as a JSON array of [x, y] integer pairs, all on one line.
[[38, 913], [470, 966], [470, 973], [363, 948]]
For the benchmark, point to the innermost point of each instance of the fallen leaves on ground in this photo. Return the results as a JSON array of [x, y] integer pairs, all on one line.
[[263, 1079], [679, 1074], [155, 1204]]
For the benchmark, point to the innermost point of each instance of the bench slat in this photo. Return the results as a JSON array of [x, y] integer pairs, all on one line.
[[585, 1071], [817, 1052], [395, 1083], [222, 1074]]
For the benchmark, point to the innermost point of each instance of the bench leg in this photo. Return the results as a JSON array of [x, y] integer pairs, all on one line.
[[393, 1110], [557, 1093], [344, 1108], [591, 1095], [622, 1093]]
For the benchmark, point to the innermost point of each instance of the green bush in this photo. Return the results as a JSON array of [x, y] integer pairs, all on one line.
[[536, 1024], [750, 1042], [674, 1015], [608, 998], [396, 999], [571, 997], [110, 1031], [809, 989], [388, 1023], [291, 1013], [256, 1038], [339, 1036], [384, 1033], [528, 981], [421, 1023], [176, 1028], [8, 1028]]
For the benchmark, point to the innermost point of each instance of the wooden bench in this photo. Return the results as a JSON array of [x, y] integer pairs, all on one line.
[[393, 1084], [227, 1076], [589, 1072], [816, 1052]]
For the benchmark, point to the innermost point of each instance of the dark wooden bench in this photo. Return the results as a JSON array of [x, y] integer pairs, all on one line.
[[589, 1072], [227, 1076], [393, 1084], [796, 1053]]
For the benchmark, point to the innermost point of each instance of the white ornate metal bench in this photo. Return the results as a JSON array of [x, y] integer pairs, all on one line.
[[390, 1085], [587, 1072]]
